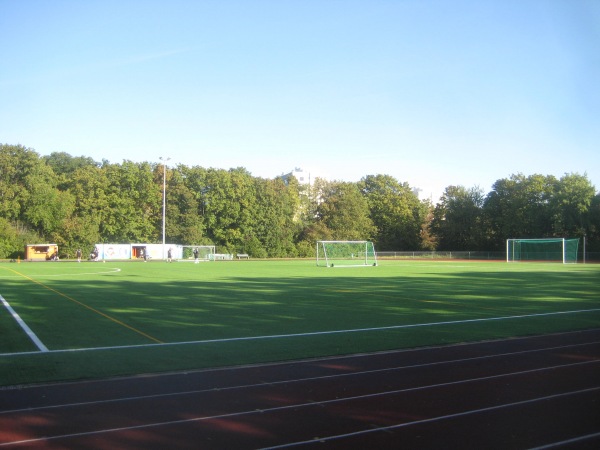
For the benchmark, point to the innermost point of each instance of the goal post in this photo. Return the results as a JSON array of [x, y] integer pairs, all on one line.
[[549, 249], [346, 254], [205, 252]]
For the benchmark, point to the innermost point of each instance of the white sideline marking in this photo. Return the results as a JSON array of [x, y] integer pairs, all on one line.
[[314, 333], [24, 326], [333, 401]]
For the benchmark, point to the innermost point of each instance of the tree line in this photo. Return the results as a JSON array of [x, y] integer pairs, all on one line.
[[77, 202]]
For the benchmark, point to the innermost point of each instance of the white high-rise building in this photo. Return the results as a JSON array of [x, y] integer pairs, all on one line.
[[300, 175]]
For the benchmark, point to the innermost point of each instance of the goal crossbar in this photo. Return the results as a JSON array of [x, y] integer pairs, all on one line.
[[205, 252], [346, 253], [542, 249]]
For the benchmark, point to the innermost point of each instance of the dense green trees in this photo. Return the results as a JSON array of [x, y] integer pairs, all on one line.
[[77, 202], [344, 211], [458, 219], [185, 224], [518, 207], [396, 212]]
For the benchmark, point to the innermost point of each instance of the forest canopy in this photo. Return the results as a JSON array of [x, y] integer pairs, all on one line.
[[76, 202]]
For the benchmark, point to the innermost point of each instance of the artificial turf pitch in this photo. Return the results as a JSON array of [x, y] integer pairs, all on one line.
[[120, 318]]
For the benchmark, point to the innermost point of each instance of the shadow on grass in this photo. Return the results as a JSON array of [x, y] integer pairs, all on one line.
[[241, 319]]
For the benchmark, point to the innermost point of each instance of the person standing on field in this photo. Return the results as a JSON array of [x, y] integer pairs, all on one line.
[[169, 254], [196, 256], [78, 255]]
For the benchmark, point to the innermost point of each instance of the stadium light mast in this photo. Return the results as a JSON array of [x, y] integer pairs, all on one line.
[[164, 212]]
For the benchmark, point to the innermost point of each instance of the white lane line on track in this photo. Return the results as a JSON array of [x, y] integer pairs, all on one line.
[[567, 442], [332, 401], [299, 380], [433, 419]]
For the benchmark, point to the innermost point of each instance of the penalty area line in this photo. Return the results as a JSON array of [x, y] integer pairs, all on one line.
[[24, 326]]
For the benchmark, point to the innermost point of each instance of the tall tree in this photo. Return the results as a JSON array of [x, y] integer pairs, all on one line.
[[458, 219], [46, 206], [93, 219], [344, 210], [16, 164], [184, 224], [226, 200], [135, 203], [571, 205], [396, 211], [519, 207], [273, 223], [64, 164], [592, 235]]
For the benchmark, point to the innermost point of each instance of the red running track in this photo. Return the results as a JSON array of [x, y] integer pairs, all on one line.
[[535, 392]]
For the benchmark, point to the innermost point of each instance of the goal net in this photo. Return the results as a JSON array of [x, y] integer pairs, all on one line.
[[551, 249], [205, 252], [346, 253]]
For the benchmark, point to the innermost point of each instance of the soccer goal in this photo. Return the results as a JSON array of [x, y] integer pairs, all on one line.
[[346, 254], [551, 249], [205, 252]]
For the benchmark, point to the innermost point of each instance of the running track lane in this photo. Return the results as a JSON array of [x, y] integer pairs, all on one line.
[[532, 392]]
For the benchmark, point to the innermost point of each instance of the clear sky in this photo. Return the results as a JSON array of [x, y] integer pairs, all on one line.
[[433, 93]]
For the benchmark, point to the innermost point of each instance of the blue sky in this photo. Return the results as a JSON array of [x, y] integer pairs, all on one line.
[[433, 93]]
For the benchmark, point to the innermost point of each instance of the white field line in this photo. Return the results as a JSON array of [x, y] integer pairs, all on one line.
[[315, 333], [24, 326], [38, 343]]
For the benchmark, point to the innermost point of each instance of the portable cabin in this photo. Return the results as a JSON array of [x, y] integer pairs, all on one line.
[[40, 252], [134, 251]]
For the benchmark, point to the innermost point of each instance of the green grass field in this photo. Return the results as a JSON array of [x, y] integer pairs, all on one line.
[[118, 318]]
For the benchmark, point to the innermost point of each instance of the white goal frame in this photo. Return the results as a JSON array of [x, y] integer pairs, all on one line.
[[207, 252], [365, 254], [511, 249]]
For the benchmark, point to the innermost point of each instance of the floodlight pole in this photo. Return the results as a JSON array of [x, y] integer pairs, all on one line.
[[164, 211]]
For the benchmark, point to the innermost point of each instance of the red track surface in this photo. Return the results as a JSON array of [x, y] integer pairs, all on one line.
[[510, 394]]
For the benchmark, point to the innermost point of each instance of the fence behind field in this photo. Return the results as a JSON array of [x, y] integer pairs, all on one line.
[[475, 255]]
